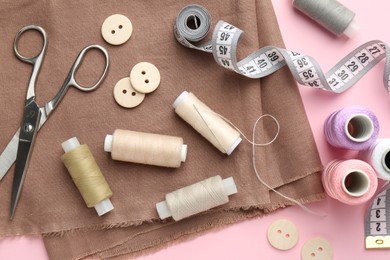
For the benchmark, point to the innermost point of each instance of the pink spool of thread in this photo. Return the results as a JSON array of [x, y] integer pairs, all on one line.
[[351, 182], [354, 128]]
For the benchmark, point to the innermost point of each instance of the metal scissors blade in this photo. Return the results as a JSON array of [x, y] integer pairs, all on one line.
[[28, 132]]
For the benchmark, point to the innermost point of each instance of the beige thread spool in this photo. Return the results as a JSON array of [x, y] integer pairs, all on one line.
[[206, 122], [146, 148], [87, 176], [196, 198]]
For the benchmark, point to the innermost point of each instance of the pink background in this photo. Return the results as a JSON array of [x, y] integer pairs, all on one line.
[[343, 227]]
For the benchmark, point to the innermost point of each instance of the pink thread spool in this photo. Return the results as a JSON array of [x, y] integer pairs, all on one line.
[[354, 128], [351, 182]]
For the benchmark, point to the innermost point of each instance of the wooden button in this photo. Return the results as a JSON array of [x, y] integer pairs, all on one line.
[[145, 77], [317, 249], [283, 234], [125, 95], [117, 29]]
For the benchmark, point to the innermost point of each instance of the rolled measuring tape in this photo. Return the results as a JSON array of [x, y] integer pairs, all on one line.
[[377, 225], [378, 155], [193, 24]]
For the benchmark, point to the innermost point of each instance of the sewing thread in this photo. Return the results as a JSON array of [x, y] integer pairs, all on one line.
[[354, 128], [331, 14], [206, 122], [351, 182], [87, 176], [146, 148], [378, 156], [196, 198]]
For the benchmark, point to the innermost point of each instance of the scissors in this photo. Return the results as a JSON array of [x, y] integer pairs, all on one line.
[[34, 117]]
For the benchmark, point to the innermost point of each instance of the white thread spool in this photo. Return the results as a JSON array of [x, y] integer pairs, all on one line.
[[206, 122], [103, 206], [196, 198], [146, 148], [378, 155], [331, 14]]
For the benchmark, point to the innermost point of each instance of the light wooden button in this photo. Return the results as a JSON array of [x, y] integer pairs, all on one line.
[[317, 249], [145, 77], [117, 29], [283, 234], [125, 95]]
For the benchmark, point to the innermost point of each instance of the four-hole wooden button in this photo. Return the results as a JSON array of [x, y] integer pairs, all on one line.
[[145, 77], [283, 234], [117, 29], [125, 95]]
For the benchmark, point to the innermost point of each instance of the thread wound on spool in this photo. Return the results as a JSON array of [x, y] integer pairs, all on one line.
[[196, 198], [86, 175], [351, 182], [353, 127], [206, 122], [378, 156], [331, 14], [146, 148]]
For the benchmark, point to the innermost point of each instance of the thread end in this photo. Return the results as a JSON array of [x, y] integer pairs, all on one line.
[[70, 144], [104, 207], [352, 29], [234, 146], [108, 143], [163, 210]]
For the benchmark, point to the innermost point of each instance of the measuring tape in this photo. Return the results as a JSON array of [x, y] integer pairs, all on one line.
[[193, 24], [377, 228]]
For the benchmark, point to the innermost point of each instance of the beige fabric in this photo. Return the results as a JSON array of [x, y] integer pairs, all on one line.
[[50, 204]]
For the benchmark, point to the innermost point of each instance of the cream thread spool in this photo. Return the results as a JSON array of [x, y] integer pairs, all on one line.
[[331, 14], [146, 148], [196, 198], [378, 156], [87, 176], [206, 122]]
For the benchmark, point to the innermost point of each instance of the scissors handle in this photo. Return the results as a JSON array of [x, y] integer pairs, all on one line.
[[36, 60], [71, 80]]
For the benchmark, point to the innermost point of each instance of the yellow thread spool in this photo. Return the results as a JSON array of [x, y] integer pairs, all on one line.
[[146, 148], [87, 176]]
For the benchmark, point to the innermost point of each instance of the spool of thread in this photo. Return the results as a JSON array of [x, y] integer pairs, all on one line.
[[196, 198], [351, 182], [146, 148], [378, 156], [354, 128], [87, 176], [206, 122], [331, 14]]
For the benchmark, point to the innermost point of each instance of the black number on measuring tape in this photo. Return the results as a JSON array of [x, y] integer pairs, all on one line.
[[250, 69], [363, 58], [378, 227], [378, 201], [295, 53], [352, 66], [308, 74], [333, 82], [224, 36], [225, 62], [374, 50], [383, 45], [262, 63], [343, 75], [378, 213], [273, 56], [314, 84], [228, 27], [302, 62], [223, 50]]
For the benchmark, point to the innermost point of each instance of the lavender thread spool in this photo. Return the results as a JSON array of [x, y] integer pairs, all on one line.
[[354, 128]]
